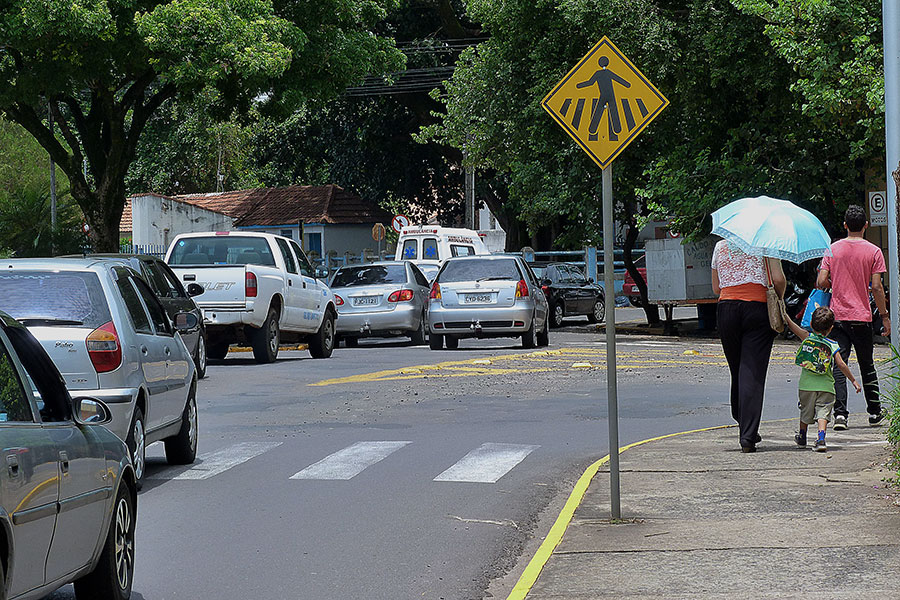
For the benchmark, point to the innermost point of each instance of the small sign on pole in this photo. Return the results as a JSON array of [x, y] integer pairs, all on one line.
[[399, 222], [878, 209], [378, 232]]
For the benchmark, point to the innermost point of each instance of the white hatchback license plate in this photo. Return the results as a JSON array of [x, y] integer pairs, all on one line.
[[478, 298], [365, 301]]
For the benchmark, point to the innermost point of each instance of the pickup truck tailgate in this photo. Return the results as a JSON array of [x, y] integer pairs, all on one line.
[[223, 284]]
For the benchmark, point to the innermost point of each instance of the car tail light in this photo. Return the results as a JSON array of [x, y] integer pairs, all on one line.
[[435, 291], [104, 349], [401, 296], [338, 300], [250, 285], [521, 289]]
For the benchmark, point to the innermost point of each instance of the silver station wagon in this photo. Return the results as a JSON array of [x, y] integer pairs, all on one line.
[[68, 495], [111, 339], [487, 297], [380, 299]]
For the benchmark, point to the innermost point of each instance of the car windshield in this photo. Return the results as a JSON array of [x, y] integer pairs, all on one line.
[[474, 270], [369, 275], [54, 298], [222, 250]]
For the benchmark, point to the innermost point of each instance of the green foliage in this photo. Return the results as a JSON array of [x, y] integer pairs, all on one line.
[[892, 393], [25, 223]]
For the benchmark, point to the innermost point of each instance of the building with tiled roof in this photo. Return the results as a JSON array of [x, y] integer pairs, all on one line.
[[324, 218]]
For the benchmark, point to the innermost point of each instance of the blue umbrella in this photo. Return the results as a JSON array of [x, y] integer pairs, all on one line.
[[766, 226]]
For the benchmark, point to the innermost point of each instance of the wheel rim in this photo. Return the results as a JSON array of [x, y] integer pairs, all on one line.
[[558, 314], [599, 311], [328, 334], [201, 354], [138, 458], [124, 544], [273, 336], [192, 424]]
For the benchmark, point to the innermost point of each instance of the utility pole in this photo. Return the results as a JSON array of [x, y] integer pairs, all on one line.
[[891, 31], [52, 176]]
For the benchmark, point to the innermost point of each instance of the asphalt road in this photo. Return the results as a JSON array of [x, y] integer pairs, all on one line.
[[395, 472]]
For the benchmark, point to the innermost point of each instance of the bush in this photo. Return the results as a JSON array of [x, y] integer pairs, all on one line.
[[892, 395]]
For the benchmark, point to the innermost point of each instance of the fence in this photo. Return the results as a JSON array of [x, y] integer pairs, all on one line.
[[148, 249], [588, 260]]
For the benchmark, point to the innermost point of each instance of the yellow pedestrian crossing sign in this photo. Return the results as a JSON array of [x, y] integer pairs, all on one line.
[[604, 102]]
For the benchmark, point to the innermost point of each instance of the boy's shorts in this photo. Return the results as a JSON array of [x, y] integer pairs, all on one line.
[[815, 406]]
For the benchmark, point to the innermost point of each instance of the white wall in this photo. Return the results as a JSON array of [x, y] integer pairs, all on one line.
[[156, 220]]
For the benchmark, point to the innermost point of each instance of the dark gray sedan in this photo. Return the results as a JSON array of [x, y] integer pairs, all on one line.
[[380, 299], [67, 496]]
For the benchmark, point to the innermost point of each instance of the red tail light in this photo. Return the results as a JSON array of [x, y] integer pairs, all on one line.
[[521, 289], [104, 349], [401, 296], [250, 285], [435, 291], [338, 300]]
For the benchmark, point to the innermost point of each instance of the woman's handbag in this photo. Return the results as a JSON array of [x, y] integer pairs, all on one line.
[[774, 303], [816, 299]]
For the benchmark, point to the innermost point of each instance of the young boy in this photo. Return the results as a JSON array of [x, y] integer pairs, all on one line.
[[817, 355]]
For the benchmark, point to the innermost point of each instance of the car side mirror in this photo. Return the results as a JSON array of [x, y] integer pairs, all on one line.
[[546, 283], [185, 321], [321, 273], [194, 289], [90, 411], [590, 280]]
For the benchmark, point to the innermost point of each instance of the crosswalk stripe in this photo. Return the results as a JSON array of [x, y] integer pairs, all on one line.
[[487, 463], [349, 462], [214, 463]]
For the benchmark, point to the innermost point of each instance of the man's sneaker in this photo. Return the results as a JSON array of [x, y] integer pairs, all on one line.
[[820, 446], [800, 438], [840, 423], [875, 420]]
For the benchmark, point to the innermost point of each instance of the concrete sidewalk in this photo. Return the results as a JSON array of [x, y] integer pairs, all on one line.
[[703, 520]]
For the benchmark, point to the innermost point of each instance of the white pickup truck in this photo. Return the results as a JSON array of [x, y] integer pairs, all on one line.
[[259, 289]]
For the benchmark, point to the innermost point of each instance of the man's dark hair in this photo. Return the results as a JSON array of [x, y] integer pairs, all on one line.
[[855, 218], [822, 320]]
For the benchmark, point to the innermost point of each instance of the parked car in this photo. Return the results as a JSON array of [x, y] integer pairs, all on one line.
[[487, 297], [569, 292], [380, 299], [630, 288], [429, 269], [68, 492], [260, 289], [174, 298], [111, 339]]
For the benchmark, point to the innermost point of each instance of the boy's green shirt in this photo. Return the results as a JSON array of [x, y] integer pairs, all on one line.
[[820, 382]]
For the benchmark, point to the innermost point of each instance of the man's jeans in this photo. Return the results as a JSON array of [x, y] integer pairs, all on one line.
[[857, 334]]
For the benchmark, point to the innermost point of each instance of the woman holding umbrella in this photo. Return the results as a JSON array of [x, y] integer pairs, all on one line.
[[758, 233]]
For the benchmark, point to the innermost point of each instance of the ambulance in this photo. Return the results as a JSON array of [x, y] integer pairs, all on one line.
[[424, 244]]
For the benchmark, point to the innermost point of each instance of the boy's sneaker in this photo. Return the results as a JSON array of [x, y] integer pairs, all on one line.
[[820, 446], [800, 438], [840, 423], [875, 420]]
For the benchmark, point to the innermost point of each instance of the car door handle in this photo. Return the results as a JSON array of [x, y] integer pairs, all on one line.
[[64, 461], [168, 351], [290, 282], [144, 350], [12, 465], [304, 284]]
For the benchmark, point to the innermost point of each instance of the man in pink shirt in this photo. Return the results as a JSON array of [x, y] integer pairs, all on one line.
[[856, 265]]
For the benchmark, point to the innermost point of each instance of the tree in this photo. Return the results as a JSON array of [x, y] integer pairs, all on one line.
[[104, 69]]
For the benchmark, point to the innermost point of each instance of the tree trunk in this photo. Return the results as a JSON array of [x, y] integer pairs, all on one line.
[[651, 311]]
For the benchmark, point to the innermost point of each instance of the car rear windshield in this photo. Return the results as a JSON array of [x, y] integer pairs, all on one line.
[[369, 275], [538, 270], [474, 270], [222, 250], [60, 298]]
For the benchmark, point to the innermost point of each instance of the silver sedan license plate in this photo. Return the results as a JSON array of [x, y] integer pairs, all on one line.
[[478, 298], [365, 301]]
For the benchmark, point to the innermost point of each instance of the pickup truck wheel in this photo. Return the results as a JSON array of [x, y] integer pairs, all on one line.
[[201, 356], [435, 341], [217, 351], [322, 344], [418, 336], [266, 339]]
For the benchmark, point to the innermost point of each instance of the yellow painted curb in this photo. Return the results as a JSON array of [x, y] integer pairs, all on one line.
[[554, 537], [285, 348], [582, 365]]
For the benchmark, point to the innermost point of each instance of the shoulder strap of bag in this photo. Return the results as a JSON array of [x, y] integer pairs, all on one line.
[[768, 272]]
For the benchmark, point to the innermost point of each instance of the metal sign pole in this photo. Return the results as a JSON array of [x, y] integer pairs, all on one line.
[[610, 293], [891, 24]]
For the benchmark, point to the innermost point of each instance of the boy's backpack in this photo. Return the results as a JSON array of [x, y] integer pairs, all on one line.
[[814, 355]]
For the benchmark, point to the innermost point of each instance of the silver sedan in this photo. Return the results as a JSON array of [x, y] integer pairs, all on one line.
[[381, 299], [487, 297], [68, 494]]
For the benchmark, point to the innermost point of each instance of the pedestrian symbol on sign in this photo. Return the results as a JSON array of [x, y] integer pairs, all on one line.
[[604, 78]]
